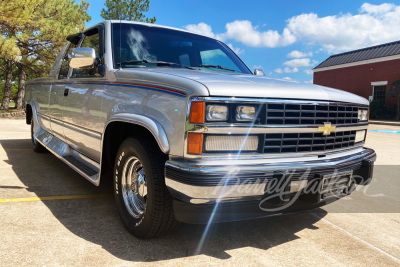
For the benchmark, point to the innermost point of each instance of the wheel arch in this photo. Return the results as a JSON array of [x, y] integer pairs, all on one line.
[[122, 126]]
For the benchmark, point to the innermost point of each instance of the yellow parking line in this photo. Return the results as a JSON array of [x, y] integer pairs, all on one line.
[[29, 199]]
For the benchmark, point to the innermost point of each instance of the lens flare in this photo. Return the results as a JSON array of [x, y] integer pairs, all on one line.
[[217, 203]]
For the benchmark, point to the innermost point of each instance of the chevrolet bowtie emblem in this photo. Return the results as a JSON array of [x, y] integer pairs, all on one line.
[[326, 129]]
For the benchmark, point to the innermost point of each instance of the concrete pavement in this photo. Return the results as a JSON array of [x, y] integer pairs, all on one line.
[[87, 231]]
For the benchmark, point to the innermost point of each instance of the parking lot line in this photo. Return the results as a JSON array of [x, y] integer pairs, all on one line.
[[29, 199], [386, 131], [355, 237]]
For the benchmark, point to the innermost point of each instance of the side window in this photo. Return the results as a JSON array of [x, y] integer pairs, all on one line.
[[63, 73], [92, 40]]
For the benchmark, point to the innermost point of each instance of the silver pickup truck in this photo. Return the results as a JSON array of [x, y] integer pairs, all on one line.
[[188, 133]]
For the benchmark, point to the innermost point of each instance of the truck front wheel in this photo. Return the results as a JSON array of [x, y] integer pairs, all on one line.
[[144, 203]]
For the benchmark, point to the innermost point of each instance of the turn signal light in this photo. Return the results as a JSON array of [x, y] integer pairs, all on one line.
[[195, 143], [196, 112]]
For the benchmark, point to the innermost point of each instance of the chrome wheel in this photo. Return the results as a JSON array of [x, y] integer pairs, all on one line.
[[134, 187]]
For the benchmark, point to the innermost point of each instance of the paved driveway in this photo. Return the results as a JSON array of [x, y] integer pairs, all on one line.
[[50, 215]]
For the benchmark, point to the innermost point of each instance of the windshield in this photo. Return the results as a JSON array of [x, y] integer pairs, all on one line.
[[138, 46]]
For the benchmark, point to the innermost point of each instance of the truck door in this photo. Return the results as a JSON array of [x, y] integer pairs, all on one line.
[[57, 96], [83, 121]]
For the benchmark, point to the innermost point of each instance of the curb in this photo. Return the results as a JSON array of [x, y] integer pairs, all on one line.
[[12, 114], [390, 123]]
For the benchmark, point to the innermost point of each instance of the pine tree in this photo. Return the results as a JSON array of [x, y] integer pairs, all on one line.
[[9, 53], [38, 29], [127, 10]]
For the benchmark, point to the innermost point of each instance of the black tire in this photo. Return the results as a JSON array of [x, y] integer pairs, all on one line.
[[158, 216], [37, 147]]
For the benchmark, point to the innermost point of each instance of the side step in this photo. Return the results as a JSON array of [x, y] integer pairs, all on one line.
[[80, 163], [88, 170]]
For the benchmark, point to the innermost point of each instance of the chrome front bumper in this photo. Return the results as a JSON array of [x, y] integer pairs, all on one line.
[[211, 181]]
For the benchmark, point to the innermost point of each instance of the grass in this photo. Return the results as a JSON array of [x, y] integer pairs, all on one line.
[[11, 108]]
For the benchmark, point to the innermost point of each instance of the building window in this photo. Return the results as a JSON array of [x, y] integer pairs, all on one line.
[[380, 93]]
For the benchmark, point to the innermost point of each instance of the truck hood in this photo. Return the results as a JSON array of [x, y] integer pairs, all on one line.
[[245, 85]]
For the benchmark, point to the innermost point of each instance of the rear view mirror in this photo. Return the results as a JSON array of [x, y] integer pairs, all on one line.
[[259, 72], [181, 44], [82, 58]]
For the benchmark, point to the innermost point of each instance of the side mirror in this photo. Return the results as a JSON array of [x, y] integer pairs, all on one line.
[[82, 58], [259, 72]]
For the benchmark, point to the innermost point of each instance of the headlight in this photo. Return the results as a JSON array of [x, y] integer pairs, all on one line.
[[245, 113], [363, 114], [217, 113]]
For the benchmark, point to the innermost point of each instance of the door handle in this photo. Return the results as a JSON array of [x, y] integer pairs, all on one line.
[[66, 92]]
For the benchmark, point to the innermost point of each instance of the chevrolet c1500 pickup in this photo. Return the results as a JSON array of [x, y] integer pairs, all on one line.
[[188, 133]]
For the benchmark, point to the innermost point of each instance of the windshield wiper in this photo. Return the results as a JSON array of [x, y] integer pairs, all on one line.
[[156, 62], [217, 67]]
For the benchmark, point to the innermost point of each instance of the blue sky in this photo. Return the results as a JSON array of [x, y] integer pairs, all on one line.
[[285, 38]]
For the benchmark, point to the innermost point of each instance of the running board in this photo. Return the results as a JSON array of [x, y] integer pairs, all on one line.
[[80, 163]]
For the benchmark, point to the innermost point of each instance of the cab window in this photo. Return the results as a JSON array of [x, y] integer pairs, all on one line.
[[64, 68], [91, 40]]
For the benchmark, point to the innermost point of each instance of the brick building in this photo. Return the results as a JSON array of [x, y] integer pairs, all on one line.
[[367, 72]]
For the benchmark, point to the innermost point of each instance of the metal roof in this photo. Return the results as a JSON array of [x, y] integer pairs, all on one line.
[[378, 51]]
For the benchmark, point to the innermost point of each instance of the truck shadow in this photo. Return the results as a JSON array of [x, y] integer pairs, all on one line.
[[96, 220]]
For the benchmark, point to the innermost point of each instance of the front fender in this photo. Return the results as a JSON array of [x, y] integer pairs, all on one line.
[[152, 125]]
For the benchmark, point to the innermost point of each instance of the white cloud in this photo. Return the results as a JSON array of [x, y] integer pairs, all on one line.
[[309, 72], [201, 28], [287, 70], [298, 54], [375, 9], [373, 24], [310, 81], [287, 78], [243, 31], [300, 62], [237, 50]]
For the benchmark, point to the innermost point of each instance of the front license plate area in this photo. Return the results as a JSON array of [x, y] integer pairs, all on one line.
[[336, 185]]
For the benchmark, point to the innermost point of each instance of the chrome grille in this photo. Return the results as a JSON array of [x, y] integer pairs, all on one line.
[[307, 142], [298, 114]]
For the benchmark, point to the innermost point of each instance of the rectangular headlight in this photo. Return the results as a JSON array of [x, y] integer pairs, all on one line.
[[216, 113], [245, 113], [363, 114], [231, 143], [360, 136]]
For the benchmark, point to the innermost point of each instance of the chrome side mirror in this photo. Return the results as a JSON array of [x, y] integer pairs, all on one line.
[[82, 58], [259, 72]]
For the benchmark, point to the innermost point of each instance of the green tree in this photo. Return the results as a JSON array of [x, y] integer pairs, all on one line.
[[8, 55], [127, 10], [39, 29]]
